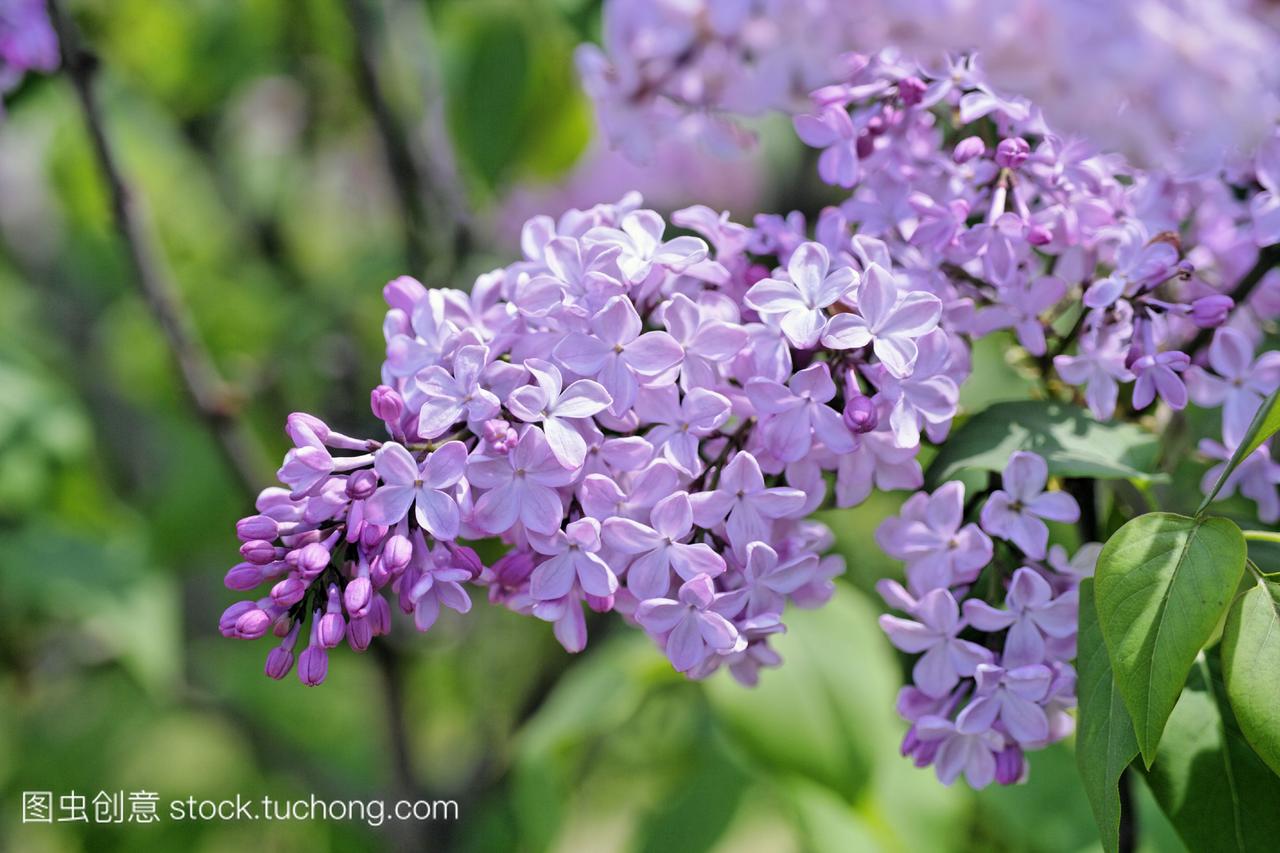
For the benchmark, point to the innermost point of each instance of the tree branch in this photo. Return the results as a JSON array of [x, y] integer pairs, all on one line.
[[212, 400], [406, 179]]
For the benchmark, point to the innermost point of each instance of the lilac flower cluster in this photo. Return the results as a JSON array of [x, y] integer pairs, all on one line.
[[646, 422], [698, 68], [990, 683], [27, 41]]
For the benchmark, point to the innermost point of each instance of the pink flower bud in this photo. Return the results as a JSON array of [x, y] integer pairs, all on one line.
[[357, 596], [860, 414], [243, 576], [361, 485], [968, 149], [396, 553], [289, 591], [359, 634], [403, 293], [1209, 312], [387, 405], [1012, 152], [279, 662], [257, 527], [259, 552]]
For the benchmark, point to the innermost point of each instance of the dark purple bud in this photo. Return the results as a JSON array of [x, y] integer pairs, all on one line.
[[361, 484], [243, 576], [466, 558], [379, 616], [1009, 765], [968, 148], [1013, 152], [513, 568], [865, 146], [357, 596], [860, 414], [257, 527], [289, 591], [279, 662], [1209, 312], [387, 405], [259, 551], [396, 553], [359, 634], [911, 90]]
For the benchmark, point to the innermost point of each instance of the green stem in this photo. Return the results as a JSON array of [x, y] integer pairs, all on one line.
[[1261, 536]]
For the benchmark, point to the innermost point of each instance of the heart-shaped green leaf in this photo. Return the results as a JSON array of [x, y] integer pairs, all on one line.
[[1163, 583], [1105, 743], [1251, 665], [1069, 439]]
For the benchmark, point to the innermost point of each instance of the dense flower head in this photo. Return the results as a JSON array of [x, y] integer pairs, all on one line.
[[27, 41], [991, 682], [1173, 84]]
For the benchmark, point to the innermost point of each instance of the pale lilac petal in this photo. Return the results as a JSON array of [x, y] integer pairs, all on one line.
[[437, 513], [388, 505], [395, 465], [652, 353]]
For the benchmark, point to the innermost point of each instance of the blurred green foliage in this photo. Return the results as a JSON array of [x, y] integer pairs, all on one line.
[[257, 163]]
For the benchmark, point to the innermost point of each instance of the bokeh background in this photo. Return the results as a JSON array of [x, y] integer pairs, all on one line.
[[247, 133]]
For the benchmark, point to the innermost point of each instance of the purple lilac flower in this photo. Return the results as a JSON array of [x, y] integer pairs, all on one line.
[[1018, 511]]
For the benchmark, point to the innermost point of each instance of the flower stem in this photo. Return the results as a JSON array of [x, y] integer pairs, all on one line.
[[1261, 536]]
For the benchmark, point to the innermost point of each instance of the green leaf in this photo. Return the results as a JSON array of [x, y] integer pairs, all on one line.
[[1070, 440], [1163, 583], [1251, 664], [1219, 795], [1105, 742], [826, 713], [1266, 423]]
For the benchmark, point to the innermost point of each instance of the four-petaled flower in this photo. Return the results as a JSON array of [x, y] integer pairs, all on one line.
[[946, 657], [558, 408], [571, 556], [1033, 614], [521, 487], [696, 625], [801, 303], [791, 415], [741, 495], [887, 319], [1017, 511], [426, 488], [656, 550]]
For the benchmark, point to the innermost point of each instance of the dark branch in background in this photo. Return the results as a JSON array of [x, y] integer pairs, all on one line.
[[205, 389], [212, 399], [405, 177], [1268, 259]]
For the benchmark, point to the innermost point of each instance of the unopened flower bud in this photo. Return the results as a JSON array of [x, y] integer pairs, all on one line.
[[1009, 765], [387, 405], [258, 551], [359, 634], [396, 553], [280, 659], [860, 414], [289, 591], [361, 484], [1209, 312], [1013, 152], [257, 527], [299, 424], [968, 149], [357, 595], [911, 90], [253, 624], [1038, 235], [311, 559], [227, 621], [403, 293], [379, 616], [313, 665], [243, 576]]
